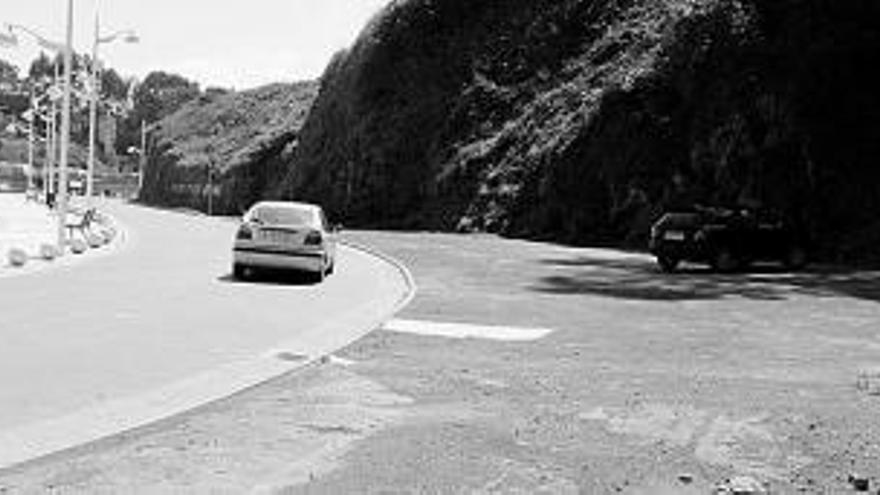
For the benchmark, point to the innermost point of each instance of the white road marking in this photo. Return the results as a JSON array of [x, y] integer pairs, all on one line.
[[466, 330]]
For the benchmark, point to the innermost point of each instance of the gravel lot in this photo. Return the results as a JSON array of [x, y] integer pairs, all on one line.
[[649, 383]]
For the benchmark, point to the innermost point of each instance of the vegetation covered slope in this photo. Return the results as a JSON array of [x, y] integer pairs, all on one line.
[[580, 120], [245, 138]]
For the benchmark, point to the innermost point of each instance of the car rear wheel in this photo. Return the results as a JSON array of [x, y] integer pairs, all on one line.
[[667, 263], [239, 271], [331, 268], [795, 258], [725, 261], [318, 275]]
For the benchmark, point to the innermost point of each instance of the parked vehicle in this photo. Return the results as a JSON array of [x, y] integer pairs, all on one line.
[[284, 235], [728, 239]]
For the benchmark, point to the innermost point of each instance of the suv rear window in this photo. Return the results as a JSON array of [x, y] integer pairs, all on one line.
[[680, 219]]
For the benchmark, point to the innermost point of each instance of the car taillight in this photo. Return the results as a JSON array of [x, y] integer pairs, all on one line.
[[313, 239], [244, 232]]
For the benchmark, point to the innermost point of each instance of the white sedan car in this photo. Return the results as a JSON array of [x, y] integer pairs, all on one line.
[[284, 235]]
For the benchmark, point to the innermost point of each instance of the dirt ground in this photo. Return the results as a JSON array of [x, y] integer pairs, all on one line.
[[648, 384]]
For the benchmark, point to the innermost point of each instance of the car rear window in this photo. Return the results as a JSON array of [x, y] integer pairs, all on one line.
[[278, 215]]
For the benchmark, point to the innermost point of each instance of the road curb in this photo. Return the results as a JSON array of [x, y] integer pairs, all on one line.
[[404, 271]]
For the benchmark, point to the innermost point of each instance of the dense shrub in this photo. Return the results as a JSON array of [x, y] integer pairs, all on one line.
[[580, 120]]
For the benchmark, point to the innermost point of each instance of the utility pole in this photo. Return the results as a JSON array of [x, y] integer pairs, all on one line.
[[65, 130], [209, 151], [210, 187], [94, 92], [53, 139], [33, 116], [143, 157]]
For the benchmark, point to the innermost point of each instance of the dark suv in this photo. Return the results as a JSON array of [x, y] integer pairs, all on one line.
[[728, 239]]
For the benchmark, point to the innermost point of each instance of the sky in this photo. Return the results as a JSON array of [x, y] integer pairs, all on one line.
[[230, 44]]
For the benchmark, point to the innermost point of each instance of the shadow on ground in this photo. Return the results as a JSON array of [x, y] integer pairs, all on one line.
[[271, 278], [637, 277]]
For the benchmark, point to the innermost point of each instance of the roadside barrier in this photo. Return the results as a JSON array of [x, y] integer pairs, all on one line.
[[17, 257]]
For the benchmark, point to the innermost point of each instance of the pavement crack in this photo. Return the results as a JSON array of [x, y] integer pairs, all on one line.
[[330, 429]]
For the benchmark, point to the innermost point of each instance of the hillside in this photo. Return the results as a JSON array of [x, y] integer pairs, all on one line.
[[580, 120], [245, 136]]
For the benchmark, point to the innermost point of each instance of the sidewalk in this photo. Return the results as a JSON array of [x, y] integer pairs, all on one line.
[[24, 225], [27, 225]]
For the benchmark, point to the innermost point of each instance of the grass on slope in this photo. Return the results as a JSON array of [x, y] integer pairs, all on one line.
[[232, 127]]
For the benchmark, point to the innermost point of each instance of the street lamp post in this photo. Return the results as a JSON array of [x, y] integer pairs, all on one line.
[[66, 49], [45, 116], [212, 167], [129, 37], [53, 134], [142, 159], [212, 172], [32, 115], [65, 130], [10, 39]]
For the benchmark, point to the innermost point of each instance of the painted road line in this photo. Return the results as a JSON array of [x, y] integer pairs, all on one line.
[[466, 330]]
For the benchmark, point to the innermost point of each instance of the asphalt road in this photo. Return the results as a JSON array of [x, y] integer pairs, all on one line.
[[161, 318], [647, 383]]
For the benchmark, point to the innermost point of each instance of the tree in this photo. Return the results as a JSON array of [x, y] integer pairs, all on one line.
[[113, 86], [162, 94], [12, 101], [41, 67], [159, 95], [8, 72], [44, 66]]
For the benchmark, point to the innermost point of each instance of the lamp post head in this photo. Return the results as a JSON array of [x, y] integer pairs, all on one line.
[[8, 38], [128, 36]]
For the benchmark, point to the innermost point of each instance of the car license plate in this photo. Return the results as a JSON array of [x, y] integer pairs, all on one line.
[[674, 235], [277, 237]]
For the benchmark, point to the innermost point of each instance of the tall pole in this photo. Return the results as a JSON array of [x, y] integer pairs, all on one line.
[[47, 155], [65, 129], [143, 157], [52, 152], [93, 110], [210, 187], [33, 117]]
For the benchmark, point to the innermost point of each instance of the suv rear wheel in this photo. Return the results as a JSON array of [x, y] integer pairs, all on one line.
[[795, 258], [724, 260], [239, 271], [667, 263]]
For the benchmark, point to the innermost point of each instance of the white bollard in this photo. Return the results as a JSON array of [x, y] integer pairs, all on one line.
[[17, 257], [48, 252]]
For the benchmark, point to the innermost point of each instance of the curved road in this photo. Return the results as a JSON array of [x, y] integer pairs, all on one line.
[[158, 326]]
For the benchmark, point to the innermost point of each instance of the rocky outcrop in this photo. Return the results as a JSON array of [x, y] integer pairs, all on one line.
[[580, 120]]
